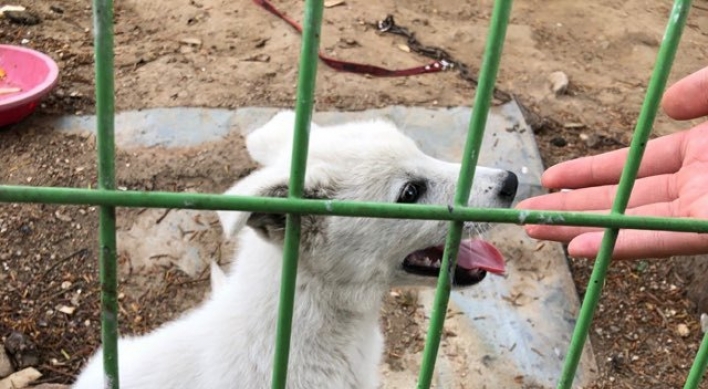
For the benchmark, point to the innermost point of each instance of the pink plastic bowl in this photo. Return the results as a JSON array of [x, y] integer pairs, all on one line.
[[34, 73]]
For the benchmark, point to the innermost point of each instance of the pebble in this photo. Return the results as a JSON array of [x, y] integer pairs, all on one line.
[[24, 17], [66, 310], [5, 365], [22, 350], [559, 141], [20, 379], [195, 42], [591, 140], [682, 330], [258, 58], [61, 216], [559, 82]]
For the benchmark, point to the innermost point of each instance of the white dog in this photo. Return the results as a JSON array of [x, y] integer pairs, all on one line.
[[346, 266]]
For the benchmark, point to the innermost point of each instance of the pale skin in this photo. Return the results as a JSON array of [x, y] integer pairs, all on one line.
[[673, 182]]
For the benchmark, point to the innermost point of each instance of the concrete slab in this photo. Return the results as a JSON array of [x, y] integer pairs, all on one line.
[[511, 332]]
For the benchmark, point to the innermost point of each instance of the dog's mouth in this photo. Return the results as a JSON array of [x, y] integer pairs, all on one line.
[[475, 258]]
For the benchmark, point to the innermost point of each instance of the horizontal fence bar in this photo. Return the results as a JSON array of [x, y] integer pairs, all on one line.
[[136, 199]]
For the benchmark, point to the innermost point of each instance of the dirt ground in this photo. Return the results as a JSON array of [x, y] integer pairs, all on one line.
[[216, 53]]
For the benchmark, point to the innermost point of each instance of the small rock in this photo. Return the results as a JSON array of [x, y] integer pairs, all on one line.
[[348, 42], [25, 17], [21, 350], [591, 140], [258, 58], [76, 298], [186, 49], [559, 141], [196, 42], [333, 3], [21, 379], [450, 334], [5, 365], [559, 82], [682, 330], [573, 126], [61, 216], [261, 42], [56, 9], [6, 8], [66, 310]]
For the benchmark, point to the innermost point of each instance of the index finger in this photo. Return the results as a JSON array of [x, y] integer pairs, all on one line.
[[662, 156], [688, 98]]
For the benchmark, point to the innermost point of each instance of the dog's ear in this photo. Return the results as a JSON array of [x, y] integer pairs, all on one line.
[[272, 141], [258, 183], [268, 224], [271, 226]]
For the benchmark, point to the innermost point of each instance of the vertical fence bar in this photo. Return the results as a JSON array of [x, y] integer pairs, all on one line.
[[482, 102], [312, 25], [657, 83], [699, 364], [105, 111]]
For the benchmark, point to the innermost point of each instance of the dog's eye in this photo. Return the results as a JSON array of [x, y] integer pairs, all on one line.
[[411, 192]]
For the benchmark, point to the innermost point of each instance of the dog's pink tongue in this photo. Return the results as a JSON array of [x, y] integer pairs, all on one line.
[[478, 254]]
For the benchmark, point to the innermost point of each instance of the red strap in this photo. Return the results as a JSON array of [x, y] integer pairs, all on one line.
[[353, 67]]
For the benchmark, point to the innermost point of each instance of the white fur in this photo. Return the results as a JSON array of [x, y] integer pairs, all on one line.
[[217, 277], [346, 265]]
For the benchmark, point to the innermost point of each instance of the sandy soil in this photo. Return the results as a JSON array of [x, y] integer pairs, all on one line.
[[217, 53]]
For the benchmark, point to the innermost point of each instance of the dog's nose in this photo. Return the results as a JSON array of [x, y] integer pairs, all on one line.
[[509, 186]]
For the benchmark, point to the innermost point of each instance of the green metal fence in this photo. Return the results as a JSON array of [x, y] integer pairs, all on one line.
[[108, 198]]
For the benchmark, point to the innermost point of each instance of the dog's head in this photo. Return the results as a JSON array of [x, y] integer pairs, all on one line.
[[369, 161]]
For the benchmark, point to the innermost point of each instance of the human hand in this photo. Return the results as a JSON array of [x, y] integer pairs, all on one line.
[[672, 182]]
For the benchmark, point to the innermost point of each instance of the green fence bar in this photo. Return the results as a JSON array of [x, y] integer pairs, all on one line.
[[483, 98], [303, 115], [105, 110], [135, 199], [699, 364], [657, 84], [107, 198]]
